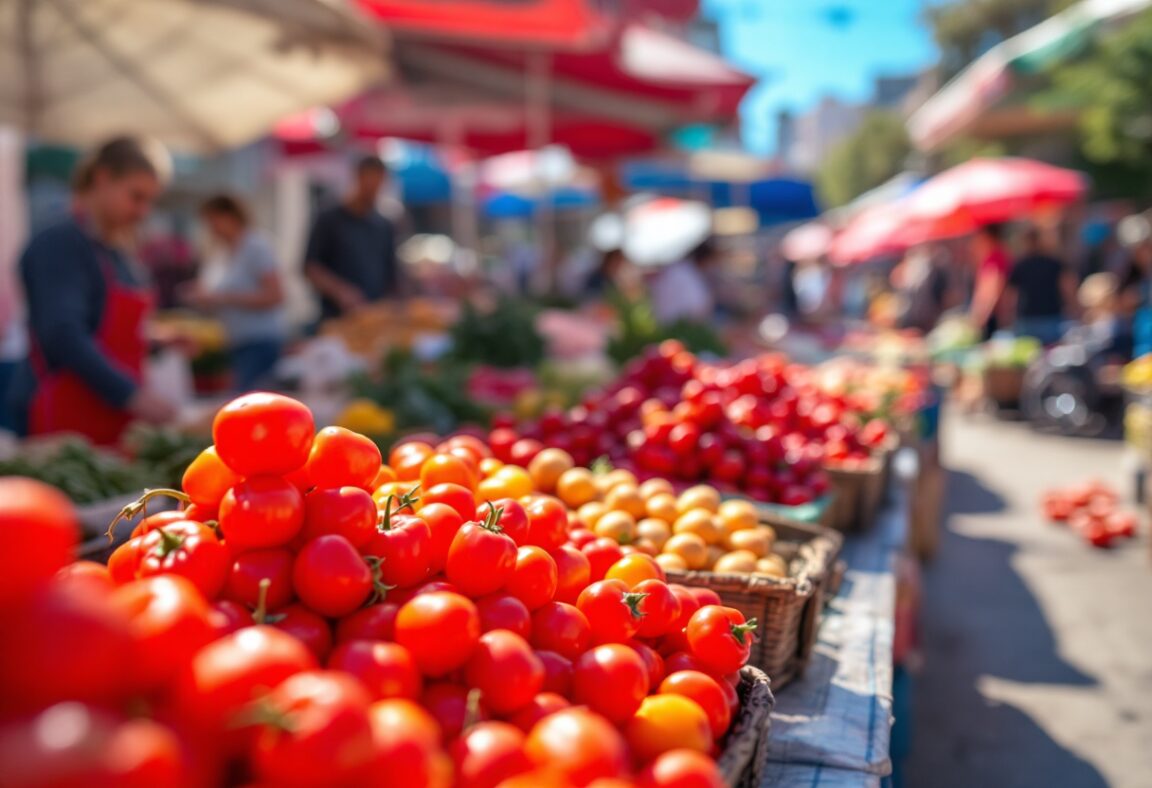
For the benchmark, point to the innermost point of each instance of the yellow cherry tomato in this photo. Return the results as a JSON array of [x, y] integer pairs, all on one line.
[[702, 496], [690, 548], [634, 569], [667, 722], [547, 466], [700, 522], [626, 498], [576, 487]]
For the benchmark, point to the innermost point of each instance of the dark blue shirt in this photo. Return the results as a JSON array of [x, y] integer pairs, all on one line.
[[63, 277], [358, 248]]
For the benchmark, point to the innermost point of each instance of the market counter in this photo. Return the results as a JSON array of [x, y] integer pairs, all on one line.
[[833, 726]]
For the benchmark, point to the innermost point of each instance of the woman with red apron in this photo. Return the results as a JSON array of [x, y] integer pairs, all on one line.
[[87, 306]]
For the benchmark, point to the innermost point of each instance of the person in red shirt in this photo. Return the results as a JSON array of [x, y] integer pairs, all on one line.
[[992, 265]]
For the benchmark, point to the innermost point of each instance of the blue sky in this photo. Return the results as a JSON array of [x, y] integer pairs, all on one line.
[[803, 49]]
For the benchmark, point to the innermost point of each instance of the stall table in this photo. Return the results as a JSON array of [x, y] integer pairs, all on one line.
[[832, 727]]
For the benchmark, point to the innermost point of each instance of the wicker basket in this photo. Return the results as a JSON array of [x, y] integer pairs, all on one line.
[[1003, 385], [858, 493], [788, 609], [745, 750]]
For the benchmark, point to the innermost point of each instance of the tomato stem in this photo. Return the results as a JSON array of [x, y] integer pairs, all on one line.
[[492, 519], [140, 506], [386, 518], [169, 542], [261, 615], [264, 714], [740, 630], [633, 599], [380, 589], [471, 709]]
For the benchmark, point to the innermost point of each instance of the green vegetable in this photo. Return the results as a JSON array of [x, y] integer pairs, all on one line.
[[638, 329], [505, 337]]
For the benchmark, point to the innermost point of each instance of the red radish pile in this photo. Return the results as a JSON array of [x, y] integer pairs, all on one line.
[[1090, 510], [314, 616], [762, 427]]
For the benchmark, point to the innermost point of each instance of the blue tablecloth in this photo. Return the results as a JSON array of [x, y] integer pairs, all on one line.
[[833, 726]]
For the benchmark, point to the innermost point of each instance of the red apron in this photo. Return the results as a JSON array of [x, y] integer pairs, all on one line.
[[63, 402]]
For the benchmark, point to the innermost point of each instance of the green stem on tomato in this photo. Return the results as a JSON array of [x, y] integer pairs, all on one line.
[[140, 506]]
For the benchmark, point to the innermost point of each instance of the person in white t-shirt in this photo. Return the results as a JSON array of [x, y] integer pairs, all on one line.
[[680, 291]]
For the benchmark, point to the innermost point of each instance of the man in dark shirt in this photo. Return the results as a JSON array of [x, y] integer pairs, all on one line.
[[351, 257], [1040, 286]]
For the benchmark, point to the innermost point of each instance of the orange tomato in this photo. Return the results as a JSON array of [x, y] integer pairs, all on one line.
[[635, 569], [407, 460], [383, 476], [446, 468], [667, 722], [489, 466]]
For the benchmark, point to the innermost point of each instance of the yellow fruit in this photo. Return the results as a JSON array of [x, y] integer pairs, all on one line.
[[702, 496], [738, 561], [616, 525], [655, 486], [515, 479], [655, 531], [489, 466], [626, 498], [672, 562], [700, 522], [773, 566], [757, 541], [715, 553], [614, 477], [366, 417], [662, 506], [667, 722], [576, 487], [646, 546], [590, 513], [690, 548], [546, 467], [736, 515]]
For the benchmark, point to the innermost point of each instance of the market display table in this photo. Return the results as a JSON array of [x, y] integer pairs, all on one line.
[[832, 727]]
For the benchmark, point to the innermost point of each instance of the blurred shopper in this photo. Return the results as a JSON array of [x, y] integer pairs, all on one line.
[[921, 288], [351, 257], [1136, 280], [1039, 290], [1102, 330], [87, 302], [245, 290], [681, 290], [605, 277], [992, 265]]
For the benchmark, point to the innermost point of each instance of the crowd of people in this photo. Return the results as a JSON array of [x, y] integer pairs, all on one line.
[[87, 300]]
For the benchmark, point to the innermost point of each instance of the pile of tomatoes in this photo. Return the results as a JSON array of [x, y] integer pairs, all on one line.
[[762, 427], [314, 616], [1090, 510]]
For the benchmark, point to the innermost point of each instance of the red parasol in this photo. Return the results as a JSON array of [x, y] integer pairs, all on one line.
[[881, 229], [549, 23], [985, 191]]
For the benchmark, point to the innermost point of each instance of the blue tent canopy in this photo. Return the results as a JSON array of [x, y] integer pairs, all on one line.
[[507, 205]]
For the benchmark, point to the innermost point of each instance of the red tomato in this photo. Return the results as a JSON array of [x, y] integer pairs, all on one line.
[[440, 629], [560, 627], [574, 573], [330, 576], [682, 769], [611, 680], [482, 558], [224, 675], [86, 576], [653, 663], [505, 670], [262, 433], [612, 611], [540, 707], [501, 440], [407, 459], [513, 517], [448, 704], [720, 638], [207, 478], [472, 443], [547, 523], [386, 670], [329, 740], [99, 749], [660, 609], [188, 549], [347, 511], [226, 617], [169, 620], [261, 511], [688, 603], [488, 753], [311, 629], [446, 468], [40, 520], [375, 622], [534, 577], [407, 740], [707, 692], [579, 745], [682, 660], [578, 537], [503, 611], [342, 458], [443, 523], [601, 553], [459, 497], [73, 645], [403, 543], [524, 451], [705, 596], [248, 569], [557, 672]]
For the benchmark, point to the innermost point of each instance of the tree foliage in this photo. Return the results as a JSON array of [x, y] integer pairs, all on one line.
[[876, 151], [965, 29]]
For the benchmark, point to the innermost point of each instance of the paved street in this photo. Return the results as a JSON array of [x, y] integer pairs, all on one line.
[[1038, 648]]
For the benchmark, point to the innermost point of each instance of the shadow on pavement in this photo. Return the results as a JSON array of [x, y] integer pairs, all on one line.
[[981, 620]]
